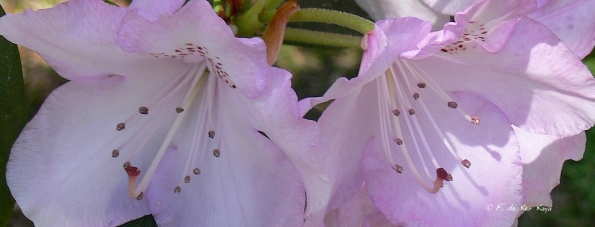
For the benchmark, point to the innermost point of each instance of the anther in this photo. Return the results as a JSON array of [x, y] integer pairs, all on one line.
[[416, 96], [115, 153], [132, 170], [399, 141], [187, 179], [411, 112], [126, 165], [179, 109], [396, 112], [177, 189], [442, 174], [120, 126], [211, 134], [466, 163], [140, 196], [475, 120], [452, 104], [216, 152], [143, 110], [196, 171], [421, 85], [398, 168]]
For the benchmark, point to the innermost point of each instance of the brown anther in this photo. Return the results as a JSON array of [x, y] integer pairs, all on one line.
[[396, 112], [217, 153], [211, 134], [187, 179], [120, 126], [143, 110], [140, 196], [411, 112], [177, 189], [475, 120], [126, 165], [421, 85], [179, 109], [196, 171], [398, 168], [115, 153], [452, 104], [442, 174], [416, 96], [399, 141], [132, 170], [466, 163]]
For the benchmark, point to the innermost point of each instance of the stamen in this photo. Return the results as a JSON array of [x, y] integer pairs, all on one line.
[[452, 104], [120, 126], [179, 109], [211, 134], [115, 153], [216, 153], [140, 196], [382, 104], [417, 72], [441, 173], [398, 92], [475, 120], [187, 179], [398, 168], [168, 138], [133, 173], [466, 163], [143, 110], [399, 141], [196, 171], [396, 112], [177, 189], [421, 85], [411, 111], [416, 96]]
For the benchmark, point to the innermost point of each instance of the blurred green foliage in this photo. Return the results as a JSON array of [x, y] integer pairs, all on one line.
[[12, 115]]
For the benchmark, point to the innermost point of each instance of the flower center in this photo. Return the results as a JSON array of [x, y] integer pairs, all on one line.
[[151, 118], [396, 95]]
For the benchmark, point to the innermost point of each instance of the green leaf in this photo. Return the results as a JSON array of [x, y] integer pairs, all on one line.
[[12, 115], [145, 221]]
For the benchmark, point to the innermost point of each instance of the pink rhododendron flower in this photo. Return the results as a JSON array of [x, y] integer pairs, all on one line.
[[207, 132], [570, 20], [438, 107]]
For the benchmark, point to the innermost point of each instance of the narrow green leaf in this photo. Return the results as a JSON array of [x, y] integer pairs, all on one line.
[[12, 115]]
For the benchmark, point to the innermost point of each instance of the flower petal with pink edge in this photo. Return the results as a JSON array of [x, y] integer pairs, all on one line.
[[543, 157], [357, 212], [382, 9], [77, 38], [61, 170], [195, 34], [493, 178], [151, 9], [572, 21], [539, 84]]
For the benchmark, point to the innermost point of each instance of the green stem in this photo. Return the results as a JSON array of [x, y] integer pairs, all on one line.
[[272, 4], [322, 38], [248, 22], [347, 20]]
